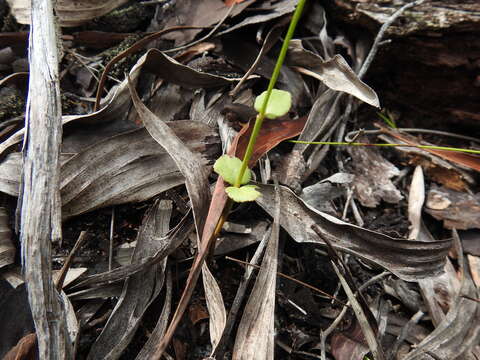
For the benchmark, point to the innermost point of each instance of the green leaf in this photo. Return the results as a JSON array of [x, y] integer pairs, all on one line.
[[278, 105], [228, 168], [242, 193]]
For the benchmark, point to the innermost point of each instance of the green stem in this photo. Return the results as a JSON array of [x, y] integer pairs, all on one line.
[[271, 84], [340, 143]]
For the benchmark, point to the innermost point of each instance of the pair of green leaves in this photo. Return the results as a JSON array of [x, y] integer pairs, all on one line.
[[228, 168]]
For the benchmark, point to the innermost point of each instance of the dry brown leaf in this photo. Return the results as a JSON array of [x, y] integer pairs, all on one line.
[[26, 349], [334, 73], [409, 260], [272, 133]]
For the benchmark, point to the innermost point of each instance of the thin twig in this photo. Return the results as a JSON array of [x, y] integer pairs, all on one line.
[[343, 143], [291, 279], [264, 49], [83, 63], [63, 272], [381, 33], [324, 334], [404, 333], [351, 135]]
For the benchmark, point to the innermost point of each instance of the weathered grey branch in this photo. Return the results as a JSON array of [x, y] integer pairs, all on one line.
[[40, 197]]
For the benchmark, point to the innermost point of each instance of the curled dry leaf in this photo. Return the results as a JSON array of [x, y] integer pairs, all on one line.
[[172, 71], [334, 73], [409, 260], [26, 349], [69, 12]]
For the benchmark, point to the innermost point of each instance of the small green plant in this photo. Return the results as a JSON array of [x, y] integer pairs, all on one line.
[[229, 167], [271, 104]]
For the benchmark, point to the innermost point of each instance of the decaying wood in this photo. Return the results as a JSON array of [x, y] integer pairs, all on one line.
[[433, 44], [39, 194]]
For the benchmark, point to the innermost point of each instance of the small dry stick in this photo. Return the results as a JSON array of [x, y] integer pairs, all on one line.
[[285, 276], [63, 272]]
